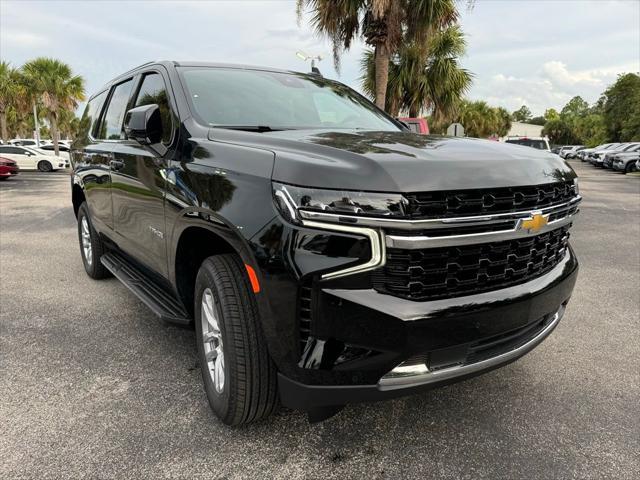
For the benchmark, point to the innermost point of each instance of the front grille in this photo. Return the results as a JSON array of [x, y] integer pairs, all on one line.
[[446, 272], [488, 201]]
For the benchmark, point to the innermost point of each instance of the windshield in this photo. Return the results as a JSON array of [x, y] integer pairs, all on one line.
[[528, 142], [223, 97]]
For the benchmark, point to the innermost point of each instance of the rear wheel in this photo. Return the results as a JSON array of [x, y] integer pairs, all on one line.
[[238, 373], [45, 166], [91, 245], [631, 167]]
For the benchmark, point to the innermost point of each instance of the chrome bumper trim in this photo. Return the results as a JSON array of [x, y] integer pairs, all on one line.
[[416, 375]]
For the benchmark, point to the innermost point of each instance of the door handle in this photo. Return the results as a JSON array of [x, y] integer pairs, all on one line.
[[116, 165]]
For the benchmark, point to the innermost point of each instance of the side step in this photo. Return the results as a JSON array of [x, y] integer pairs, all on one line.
[[161, 302]]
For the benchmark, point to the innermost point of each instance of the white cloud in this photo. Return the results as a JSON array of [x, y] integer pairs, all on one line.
[[21, 38], [560, 76]]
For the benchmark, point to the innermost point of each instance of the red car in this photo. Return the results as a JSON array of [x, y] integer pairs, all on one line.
[[8, 168], [416, 125]]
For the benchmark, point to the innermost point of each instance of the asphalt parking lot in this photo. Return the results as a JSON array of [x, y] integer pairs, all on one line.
[[92, 385]]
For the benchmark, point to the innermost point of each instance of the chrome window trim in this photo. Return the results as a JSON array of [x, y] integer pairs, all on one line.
[[378, 255], [448, 222], [411, 376]]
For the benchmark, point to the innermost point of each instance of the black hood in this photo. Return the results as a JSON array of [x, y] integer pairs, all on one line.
[[402, 162]]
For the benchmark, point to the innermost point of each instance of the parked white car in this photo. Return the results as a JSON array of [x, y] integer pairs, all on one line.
[[30, 159], [570, 151], [540, 143], [26, 142], [63, 150]]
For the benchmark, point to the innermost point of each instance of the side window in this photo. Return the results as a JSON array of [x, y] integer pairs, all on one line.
[[111, 125], [12, 150], [90, 115], [152, 90]]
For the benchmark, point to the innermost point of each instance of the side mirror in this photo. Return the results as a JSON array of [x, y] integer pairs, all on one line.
[[144, 125]]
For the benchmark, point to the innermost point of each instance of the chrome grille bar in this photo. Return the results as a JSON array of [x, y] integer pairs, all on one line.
[[420, 242], [439, 223]]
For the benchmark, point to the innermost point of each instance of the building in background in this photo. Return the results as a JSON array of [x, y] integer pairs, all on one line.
[[519, 129]]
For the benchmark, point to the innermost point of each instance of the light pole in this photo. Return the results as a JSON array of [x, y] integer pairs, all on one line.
[[35, 124], [313, 58]]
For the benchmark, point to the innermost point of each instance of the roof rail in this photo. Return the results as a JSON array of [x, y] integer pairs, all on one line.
[[135, 68]]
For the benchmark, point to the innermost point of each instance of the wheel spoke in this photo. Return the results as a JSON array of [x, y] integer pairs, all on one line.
[[211, 355], [209, 337], [212, 339]]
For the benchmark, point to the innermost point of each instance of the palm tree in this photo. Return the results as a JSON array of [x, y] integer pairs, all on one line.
[[11, 95], [424, 76], [383, 24], [54, 85]]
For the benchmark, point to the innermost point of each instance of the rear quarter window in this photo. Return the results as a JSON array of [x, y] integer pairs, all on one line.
[[91, 114]]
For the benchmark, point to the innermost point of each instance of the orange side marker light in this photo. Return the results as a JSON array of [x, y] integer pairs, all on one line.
[[253, 278]]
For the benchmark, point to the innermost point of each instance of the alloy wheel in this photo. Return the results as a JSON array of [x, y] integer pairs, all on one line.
[[86, 240], [212, 339]]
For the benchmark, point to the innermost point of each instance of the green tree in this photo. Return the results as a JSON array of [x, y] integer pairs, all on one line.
[[622, 109], [591, 130], [479, 119], [53, 84], [540, 120], [503, 122], [11, 91], [551, 114], [523, 114], [576, 107], [559, 131], [423, 77], [384, 25]]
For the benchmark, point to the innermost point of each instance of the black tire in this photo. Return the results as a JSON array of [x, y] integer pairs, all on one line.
[[249, 391], [631, 167], [92, 265], [45, 166]]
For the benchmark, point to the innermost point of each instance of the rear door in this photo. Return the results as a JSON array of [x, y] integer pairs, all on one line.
[[22, 157], [138, 180]]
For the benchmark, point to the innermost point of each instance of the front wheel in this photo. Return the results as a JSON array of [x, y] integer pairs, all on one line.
[[631, 167], [45, 166], [238, 373]]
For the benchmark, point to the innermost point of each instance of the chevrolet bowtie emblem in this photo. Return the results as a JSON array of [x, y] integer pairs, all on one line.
[[535, 223]]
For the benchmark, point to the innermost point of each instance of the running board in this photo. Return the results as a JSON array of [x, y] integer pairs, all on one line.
[[161, 302]]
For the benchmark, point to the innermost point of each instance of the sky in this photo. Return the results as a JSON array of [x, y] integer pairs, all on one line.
[[538, 53]]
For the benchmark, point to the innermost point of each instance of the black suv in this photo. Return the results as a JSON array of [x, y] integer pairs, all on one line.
[[326, 254]]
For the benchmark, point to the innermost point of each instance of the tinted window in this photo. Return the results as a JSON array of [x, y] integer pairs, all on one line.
[[153, 91], [234, 97], [539, 144], [111, 125], [91, 113], [61, 147], [13, 150]]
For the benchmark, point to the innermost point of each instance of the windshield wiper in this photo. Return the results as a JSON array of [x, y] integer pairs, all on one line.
[[249, 128]]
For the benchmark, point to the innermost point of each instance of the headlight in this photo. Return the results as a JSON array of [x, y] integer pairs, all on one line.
[[575, 186], [291, 200]]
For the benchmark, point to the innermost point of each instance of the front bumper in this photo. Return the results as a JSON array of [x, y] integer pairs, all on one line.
[[446, 334], [6, 171]]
